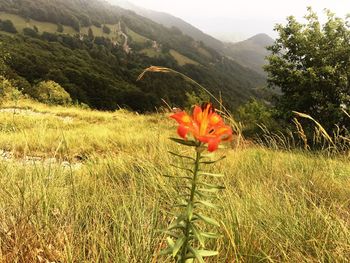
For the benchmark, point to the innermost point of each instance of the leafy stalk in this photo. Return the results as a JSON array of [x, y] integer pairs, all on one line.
[[190, 206], [184, 233]]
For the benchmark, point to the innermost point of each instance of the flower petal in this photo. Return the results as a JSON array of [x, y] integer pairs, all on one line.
[[215, 119], [213, 144], [182, 118], [224, 132], [197, 114], [203, 139], [182, 131]]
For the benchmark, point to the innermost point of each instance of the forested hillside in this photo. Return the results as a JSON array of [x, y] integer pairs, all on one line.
[[170, 21], [251, 52], [96, 51]]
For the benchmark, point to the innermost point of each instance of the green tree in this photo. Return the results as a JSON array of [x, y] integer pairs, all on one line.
[[7, 25], [90, 34], [74, 22], [3, 57], [194, 98], [30, 32], [106, 30], [60, 28], [254, 115], [8, 91], [310, 63], [50, 92]]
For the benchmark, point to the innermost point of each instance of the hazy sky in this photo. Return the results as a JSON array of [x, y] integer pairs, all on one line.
[[243, 18]]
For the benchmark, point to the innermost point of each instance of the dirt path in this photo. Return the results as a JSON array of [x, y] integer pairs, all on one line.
[[126, 47], [28, 112], [8, 156]]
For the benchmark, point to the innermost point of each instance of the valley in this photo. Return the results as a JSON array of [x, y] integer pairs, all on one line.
[[116, 52]]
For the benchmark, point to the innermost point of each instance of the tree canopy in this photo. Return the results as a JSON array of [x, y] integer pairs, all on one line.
[[310, 63], [50, 92]]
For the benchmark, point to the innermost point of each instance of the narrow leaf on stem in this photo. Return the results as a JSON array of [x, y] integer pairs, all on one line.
[[208, 220], [197, 255], [179, 243], [211, 174], [181, 156], [184, 142], [212, 162]]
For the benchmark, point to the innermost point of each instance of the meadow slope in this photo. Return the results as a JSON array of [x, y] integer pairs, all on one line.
[[278, 206]]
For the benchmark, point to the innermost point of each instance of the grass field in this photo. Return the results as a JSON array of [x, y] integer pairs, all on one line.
[[204, 52], [150, 52], [98, 32], [136, 37], [21, 23], [278, 206], [181, 59]]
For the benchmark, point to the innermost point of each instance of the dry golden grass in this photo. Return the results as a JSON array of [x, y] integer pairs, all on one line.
[[278, 206]]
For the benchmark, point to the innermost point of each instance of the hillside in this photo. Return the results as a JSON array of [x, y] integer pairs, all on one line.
[[79, 185], [172, 21], [96, 51], [251, 52]]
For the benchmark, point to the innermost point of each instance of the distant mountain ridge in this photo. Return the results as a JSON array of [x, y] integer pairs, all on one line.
[[250, 53], [169, 21]]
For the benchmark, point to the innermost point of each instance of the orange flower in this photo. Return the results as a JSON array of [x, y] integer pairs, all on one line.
[[205, 125]]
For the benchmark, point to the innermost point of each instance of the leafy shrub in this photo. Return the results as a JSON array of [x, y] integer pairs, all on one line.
[[7, 25], [194, 98], [106, 29], [49, 37], [50, 92], [3, 56], [8, 91], [90, 34], [19, 82], [60, 28], [255, 114], [30, 32]]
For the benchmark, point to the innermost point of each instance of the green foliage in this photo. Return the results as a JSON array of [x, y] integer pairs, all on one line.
[[20, 83], [186, 234], [3, 57], [30, 32], [50, 92], [256, 114], [106, 29], [310, 64], [60, 28], [194, 98], [90, 34], [7, 25], [8, 91]]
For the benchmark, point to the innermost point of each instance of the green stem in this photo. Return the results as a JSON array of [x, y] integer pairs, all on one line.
[[190, 206]]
